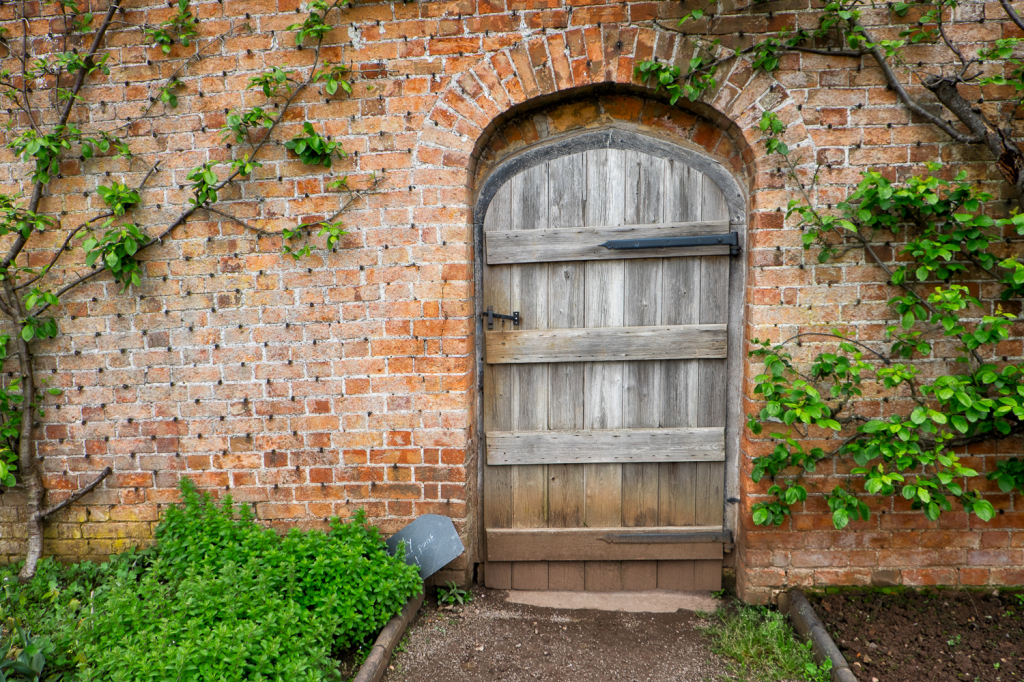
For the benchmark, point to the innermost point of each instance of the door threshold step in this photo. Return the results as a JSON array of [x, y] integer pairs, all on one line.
[[649, 601]]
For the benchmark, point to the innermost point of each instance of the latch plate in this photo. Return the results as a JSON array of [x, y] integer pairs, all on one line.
[[490, 315]]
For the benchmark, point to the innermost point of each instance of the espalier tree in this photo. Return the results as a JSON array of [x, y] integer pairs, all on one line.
[[46, 94], [949, 241]]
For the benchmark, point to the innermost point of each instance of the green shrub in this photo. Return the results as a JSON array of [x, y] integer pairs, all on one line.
[[219, 597], [50, 605]]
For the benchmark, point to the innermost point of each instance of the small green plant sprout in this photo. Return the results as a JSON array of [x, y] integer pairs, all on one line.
[[116, 250], [314, 149], [245, 166], [204, 184], [315, 26], [333, 76], [28, 664], [167, 95], [239, 125], [45, 150], [118, 197], [182, 24], [273, 81], [954, 642], [1009, 475], [453, 595]]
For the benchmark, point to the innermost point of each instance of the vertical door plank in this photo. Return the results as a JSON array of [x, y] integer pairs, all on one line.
[[497, 399], [712, 387], [677, 575], [641, 383], [603, 576], [713, 206], [683, 193], [602, 409], [707, 575], [566, 295], [529, 575], [677, 485], [566, 575], [498, 575], [530, 382], [638, 576]]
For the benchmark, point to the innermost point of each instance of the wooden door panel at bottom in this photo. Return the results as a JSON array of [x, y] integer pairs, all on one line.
[[604, 576]]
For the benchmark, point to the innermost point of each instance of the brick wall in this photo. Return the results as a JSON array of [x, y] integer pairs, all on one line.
[[346, 379]]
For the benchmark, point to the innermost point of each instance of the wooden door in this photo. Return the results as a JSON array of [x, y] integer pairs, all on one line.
[[604, 409]]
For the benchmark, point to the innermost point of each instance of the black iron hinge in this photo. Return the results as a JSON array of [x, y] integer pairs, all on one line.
[[730, 239]]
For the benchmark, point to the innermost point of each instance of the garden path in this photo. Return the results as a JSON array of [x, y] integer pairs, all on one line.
[[494, 640]]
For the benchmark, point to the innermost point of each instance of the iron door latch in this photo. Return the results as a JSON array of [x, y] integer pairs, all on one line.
[[490, 315]]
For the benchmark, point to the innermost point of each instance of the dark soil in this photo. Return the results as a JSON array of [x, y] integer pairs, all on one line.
[[494, 641], [931, 635]]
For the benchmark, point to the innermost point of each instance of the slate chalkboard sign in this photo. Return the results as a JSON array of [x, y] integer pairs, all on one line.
[[430, 542]]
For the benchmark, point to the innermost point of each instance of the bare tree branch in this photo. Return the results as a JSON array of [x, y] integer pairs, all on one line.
[[1012, 13], [79, 494], [894, 82]]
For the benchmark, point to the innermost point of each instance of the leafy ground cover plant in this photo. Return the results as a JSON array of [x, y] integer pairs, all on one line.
[[219, 597], [761, 646], [453, 595]]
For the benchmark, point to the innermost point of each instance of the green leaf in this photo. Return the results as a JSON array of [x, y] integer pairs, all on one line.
[[984, 510]]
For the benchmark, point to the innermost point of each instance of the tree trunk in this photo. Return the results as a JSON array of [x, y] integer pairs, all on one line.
[[28, 465]]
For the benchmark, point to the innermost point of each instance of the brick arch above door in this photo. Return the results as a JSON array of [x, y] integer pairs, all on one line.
[[561, 65]]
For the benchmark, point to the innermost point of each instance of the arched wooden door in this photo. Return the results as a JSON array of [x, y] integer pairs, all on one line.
[[604, 408]]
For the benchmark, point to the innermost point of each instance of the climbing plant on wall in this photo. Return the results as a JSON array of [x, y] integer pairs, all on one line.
[[45, 86], [947, 250]]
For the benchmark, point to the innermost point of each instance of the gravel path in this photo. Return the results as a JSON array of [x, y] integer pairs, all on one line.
[[499, 642]]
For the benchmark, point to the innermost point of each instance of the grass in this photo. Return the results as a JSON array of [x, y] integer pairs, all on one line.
[[761, 646]]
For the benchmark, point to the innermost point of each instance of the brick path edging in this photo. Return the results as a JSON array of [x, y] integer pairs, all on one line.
[[807, 624]]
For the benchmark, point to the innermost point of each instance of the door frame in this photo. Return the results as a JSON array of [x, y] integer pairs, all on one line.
[[614, 137]]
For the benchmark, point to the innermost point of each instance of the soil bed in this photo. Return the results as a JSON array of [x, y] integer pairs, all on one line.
[[903, 635]]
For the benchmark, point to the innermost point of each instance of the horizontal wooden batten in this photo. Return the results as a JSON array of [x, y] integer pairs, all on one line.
[[585, 243], [591, 544], [607, 344], [604, 446]]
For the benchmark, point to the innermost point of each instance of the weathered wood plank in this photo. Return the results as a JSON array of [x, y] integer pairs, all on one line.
[[529, 575], [639, 576], [677, 481], [641, 382], [498, 575], [609, 344], [713, 388], [676, 575], [584, 243], [694, 444], [589, 544], [530, 207], [604, 303], [603, 576], [566, 575], [497, 395], [707, 575], [566, 296]]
